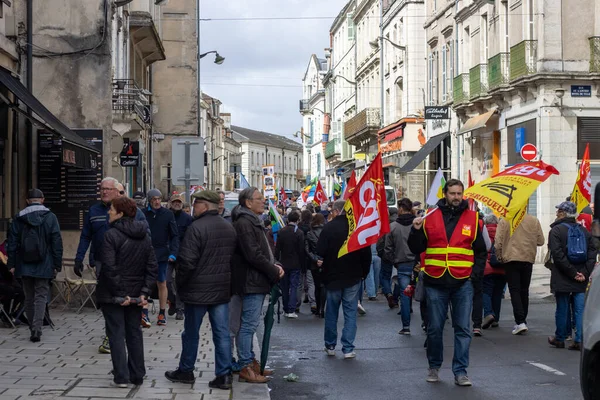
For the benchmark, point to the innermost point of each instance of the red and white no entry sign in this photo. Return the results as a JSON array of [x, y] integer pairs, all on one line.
[[529, 152]]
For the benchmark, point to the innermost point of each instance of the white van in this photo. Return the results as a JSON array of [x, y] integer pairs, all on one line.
[[391, 197]]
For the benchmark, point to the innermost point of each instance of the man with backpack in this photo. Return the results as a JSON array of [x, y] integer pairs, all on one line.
[[573, 258], [35, 251], [517, 252]]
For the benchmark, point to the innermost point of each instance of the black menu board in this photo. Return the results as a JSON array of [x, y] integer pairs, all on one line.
[[69, 191]]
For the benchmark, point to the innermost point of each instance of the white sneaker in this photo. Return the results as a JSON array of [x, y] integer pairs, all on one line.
[[118, 385], [291, 315], [330, 352], [433, 375], [520, 329], [361, 309], [350, 355]]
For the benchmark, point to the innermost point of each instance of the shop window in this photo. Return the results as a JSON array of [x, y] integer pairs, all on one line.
[[517, 136]]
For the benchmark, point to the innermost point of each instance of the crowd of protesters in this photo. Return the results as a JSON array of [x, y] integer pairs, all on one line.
[[209, 260]]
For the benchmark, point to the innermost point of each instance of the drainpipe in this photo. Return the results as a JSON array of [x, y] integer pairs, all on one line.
[[150, 150], [29, 83]]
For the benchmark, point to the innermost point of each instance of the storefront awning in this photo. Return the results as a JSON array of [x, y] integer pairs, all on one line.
[[480, 121], [420, 155], [393, 135], [44, 117]]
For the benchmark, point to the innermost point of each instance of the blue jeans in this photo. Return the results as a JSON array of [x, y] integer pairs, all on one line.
[[372, 280], [289, 288], [251, 309], [219, 322], [403, 281], [561, 316], [348, 298], [385, 276], [493, 293], [438, 299]]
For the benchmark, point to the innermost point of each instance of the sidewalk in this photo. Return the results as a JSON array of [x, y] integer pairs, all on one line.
[[66, 364], [540, 282]]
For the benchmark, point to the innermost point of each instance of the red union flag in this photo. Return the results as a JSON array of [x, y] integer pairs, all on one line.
[[582, 192], [366, 210], [320, 196], [350, 187]]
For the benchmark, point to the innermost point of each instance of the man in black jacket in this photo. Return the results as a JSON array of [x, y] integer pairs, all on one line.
[[204, 285], [342, 278], [569, 279], [183, 220], [165, 240], [449, 282], [289, 250], [254, 271]]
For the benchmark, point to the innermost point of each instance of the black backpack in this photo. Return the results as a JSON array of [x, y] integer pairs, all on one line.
[[33, 247]]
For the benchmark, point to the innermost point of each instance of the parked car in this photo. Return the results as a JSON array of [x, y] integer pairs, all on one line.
[[391, 196], [590, 356]]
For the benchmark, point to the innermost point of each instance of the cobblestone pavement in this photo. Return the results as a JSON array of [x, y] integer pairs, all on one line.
[[66, 364]]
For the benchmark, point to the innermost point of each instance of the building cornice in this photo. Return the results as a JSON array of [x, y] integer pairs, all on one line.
[[398, 6], [438, 14]]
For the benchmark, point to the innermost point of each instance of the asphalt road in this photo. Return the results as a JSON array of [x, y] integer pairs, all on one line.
[[393, 366]]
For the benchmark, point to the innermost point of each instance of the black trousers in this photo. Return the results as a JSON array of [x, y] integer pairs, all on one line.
[[320, 294], [126, 342], [518, 277], [477, 314]]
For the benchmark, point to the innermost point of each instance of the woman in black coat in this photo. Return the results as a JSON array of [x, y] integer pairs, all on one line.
[[129, 270], [310, 245]]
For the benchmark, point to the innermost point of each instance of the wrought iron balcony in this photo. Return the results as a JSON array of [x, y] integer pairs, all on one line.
[[461, 89], [131, 101], [478, 81], [523, 59], [499, 70], [364, 124], [594, 54], [333, 148]]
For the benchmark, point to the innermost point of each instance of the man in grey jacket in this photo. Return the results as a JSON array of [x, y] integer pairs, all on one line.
[[397, 251]]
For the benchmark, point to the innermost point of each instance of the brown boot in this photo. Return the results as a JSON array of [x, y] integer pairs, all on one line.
[[256, 368], [247, 374]]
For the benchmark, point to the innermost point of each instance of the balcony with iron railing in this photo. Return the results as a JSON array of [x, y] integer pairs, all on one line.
[[333, 148], [478, 81], [461, 89], [523, 59], [362, 125], [131, 102], [304, 106], [499, 71], [594, 54]]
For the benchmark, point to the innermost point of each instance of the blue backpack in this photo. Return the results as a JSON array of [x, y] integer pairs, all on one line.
[[576, 244]]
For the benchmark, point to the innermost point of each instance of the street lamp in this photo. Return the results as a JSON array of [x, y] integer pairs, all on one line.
[[333, 79], [218, 59]]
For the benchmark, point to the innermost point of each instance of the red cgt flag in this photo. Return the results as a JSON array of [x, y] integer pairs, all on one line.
[[366, 210], [350, 187], [320, 196]]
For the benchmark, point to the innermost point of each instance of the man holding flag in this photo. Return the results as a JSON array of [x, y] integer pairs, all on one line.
[[455, 251]]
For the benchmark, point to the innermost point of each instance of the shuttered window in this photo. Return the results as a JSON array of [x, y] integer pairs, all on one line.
[[588, 131]]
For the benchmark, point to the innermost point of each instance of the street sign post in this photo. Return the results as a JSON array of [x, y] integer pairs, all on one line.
[[529, 152], [187, 162]]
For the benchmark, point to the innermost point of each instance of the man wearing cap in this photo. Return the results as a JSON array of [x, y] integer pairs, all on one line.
[[183, 221], [204, 285], [35, 251], [569, 277], [165, 240], [518, 252]]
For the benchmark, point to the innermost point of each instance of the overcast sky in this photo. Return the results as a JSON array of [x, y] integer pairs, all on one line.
[[260, 82]]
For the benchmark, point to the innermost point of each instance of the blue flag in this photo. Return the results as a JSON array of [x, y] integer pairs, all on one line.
[[243, 182]]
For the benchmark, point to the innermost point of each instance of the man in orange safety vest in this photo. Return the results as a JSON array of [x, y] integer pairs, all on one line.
[[455, 255]]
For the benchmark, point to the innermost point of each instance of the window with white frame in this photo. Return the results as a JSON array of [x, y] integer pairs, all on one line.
[[351, 27]]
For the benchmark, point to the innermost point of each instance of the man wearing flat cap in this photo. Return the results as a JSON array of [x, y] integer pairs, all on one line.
[[203, 283]]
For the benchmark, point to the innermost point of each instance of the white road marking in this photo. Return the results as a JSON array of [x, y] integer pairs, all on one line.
[[546, 368]]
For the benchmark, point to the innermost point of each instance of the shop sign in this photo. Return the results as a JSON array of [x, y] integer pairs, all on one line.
[[437, 112]]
